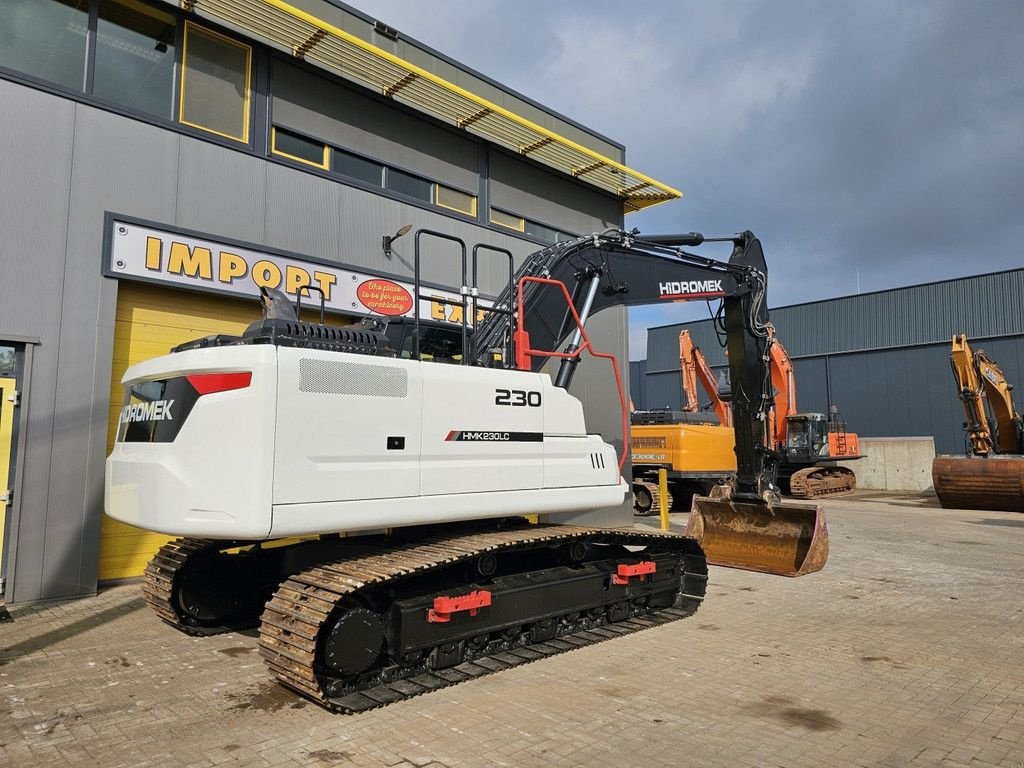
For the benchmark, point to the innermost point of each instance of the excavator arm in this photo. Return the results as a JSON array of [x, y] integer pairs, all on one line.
[[971, 393], [619, 268], [1000, 400], [694, 367], [743, 526]]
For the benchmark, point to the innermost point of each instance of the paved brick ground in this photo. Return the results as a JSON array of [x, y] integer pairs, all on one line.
[[907, 650]]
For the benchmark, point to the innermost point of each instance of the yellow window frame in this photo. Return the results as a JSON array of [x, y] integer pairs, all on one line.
[[522, 222], [324, 164], [437, 200], [247, 108]]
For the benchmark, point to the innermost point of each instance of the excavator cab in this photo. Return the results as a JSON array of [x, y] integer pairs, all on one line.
[[806, 436]]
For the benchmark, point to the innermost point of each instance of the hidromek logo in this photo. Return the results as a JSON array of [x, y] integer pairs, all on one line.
[[677, 289], [158, 410]]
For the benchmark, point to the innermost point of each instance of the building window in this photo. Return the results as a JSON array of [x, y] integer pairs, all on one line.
[[215, 83], [295, 147], [503, 219], [453, 199], [358, 168], [409, 185], [547, 234], [135, 57], [46, 39]]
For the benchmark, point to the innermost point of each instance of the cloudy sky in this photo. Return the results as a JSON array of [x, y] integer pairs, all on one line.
[[873, 143]]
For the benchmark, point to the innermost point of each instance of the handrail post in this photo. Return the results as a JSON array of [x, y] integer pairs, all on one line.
[[463, 290]]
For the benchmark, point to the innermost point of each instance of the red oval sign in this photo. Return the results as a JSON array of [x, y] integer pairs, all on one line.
[[384, 296]]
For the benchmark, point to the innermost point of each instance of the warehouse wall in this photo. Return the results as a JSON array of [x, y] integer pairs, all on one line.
[[74, 162]]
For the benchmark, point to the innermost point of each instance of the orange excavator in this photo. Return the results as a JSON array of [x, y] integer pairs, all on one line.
[[991, 475], [695, 445], [809, 444]]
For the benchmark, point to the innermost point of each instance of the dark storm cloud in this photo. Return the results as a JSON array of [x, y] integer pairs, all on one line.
[[879, 138]]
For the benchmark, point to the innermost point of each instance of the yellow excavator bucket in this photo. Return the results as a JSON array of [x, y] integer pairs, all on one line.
[[782, 539], [976, 482]]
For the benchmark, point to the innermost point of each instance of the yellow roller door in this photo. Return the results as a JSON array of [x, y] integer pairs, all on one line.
[[150, 321]]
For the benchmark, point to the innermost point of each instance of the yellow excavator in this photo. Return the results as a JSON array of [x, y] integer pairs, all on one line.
[[991, 475]]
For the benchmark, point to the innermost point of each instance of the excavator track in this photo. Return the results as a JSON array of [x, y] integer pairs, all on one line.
[[328, 619], [648, 490], [158, 582], [179, 592], [815, 482]]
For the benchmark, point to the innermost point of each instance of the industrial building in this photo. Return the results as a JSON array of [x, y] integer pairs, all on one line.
[[164, 159], [882, 358]]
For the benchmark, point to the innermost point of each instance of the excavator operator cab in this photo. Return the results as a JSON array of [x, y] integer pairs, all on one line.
[[439, 342], [807, 435]]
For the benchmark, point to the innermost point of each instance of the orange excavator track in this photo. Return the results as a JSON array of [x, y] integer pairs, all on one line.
[[815, 482]]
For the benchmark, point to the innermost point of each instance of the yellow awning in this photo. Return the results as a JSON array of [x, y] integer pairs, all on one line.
[[314, 40]]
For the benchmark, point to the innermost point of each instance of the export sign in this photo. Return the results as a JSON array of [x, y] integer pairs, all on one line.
[[145, 252]]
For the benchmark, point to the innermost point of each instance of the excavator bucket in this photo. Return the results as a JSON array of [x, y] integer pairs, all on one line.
[[973, 482], [782, 539]]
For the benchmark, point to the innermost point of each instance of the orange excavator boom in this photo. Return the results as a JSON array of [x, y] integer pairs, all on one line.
[[784, 384], [694, 367]]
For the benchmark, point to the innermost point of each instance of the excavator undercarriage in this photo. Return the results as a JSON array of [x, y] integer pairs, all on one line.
[[374, 622]]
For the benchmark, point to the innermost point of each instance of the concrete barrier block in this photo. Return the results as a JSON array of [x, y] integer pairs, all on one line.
[[894, 463]]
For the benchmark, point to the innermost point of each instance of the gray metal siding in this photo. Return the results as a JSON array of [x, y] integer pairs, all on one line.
[[526, 190], [663, 390], [663, 345], [219, 190], [72, 163], [812, 387], [101, 180], [638, 383], [38, 131], [341, 116]]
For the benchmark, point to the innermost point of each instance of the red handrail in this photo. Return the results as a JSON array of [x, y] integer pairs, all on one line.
[[523, 351]]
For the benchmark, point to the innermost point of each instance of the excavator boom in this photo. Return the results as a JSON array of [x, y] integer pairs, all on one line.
[[784, 384], [694, 367], [971, 393]]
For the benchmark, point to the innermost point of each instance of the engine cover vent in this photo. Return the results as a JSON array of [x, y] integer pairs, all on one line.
[[334, 377]]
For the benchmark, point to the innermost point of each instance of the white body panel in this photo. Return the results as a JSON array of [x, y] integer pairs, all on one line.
[[215, 476], [324, 442]]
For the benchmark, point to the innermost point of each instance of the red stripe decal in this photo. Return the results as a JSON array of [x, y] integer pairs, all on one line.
[[674, 296]]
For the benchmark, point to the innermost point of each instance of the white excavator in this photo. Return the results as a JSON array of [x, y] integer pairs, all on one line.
[[360, 492]]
